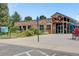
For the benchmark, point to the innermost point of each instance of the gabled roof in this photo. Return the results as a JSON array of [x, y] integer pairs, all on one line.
[[57, 13]]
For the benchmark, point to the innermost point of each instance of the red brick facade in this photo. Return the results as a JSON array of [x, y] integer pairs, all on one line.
[[58, 23], [33, 24]]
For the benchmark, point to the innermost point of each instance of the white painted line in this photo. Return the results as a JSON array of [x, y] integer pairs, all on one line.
[[28, 53], [42, 52]]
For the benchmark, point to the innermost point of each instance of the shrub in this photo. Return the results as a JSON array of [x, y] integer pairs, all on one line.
[[29, 32], [38, 32], [13, 29], [22, 34]]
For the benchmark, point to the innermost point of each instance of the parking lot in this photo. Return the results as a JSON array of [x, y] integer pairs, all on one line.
[[16, 50], [48, 45]]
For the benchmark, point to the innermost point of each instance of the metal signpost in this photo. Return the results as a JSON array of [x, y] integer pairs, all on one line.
[[38, 28]]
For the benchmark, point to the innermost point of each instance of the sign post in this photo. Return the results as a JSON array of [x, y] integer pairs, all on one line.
[[38, 28]]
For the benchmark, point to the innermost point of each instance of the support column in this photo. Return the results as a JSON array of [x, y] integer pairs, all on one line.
[[60, 27], [63, 25], [66, 25], [22, 28], [69, 26], [54, 28], [63, 28]]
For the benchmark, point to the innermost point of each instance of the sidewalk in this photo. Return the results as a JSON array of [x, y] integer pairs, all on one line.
[[59, 42]]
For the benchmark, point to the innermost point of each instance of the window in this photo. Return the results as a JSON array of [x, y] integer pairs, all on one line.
[[48, 27], [58, 28], [64, 25], [20, 28], [24, 27], [64, 18], [29, 26], [41, 27], [68, 20]]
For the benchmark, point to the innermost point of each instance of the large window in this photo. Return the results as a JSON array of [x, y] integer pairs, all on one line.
[[65, 28], [29, 26], [24, 27], [42, 27], [20, 28], [59, 28], [64, 18], [64, 25], [68, 20], [48, 27]]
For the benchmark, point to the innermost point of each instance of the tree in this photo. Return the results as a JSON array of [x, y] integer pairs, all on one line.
[[4, 13], [42, 17], [12, 19], [28, 18], [16, 17]]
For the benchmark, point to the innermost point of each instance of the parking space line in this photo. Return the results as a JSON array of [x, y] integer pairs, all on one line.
[[42, 52], [28, 53]]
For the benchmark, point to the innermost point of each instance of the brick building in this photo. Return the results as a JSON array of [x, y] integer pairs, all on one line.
[[58, 23], [44, 25], [62, 23]]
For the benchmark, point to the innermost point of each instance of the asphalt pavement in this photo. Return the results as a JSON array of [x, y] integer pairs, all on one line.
[[17, 50]]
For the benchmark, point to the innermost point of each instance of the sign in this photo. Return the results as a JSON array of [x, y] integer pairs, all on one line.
[[3, 29]]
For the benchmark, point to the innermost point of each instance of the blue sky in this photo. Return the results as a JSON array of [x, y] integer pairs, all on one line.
[[47, 9]]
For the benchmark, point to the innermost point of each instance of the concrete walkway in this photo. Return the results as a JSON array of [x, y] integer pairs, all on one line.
[[59, 42]]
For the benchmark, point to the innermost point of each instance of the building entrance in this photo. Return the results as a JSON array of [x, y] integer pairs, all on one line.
[[59, 28]]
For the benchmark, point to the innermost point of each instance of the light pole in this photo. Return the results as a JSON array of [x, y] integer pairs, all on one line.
[[38, 28]]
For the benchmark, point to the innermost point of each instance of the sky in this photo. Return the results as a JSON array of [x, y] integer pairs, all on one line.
[[47, 9]]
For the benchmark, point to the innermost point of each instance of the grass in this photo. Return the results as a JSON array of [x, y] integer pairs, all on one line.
[[13, 35], [8, 35]]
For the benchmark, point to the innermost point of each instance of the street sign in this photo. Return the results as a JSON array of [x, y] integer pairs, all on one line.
[[3, 29]]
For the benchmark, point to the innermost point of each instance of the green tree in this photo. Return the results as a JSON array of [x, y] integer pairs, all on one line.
[[12, 19], [42, 17], [4, 13], [16, 17], [28, 18]]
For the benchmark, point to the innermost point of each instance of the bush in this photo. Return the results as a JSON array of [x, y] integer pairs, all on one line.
[[29, 32], [38, 32], [22, 34], [13, 29]]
